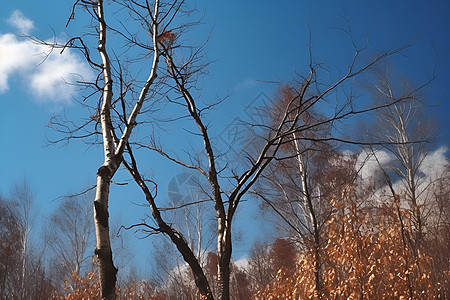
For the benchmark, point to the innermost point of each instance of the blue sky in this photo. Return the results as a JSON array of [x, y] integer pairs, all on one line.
[[251, 41]]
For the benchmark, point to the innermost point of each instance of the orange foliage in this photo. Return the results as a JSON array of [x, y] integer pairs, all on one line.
[[361, 259], [88, 288], [167, 38]]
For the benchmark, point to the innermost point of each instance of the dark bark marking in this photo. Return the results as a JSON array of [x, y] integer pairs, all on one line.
[[109, 272], [104, 172], [102, 214]]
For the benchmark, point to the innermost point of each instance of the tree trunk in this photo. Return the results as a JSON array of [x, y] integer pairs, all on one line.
[[224, 252], [201, 282], [103, 251], [312, 214], [199, 277], [24, 259], [107, 271]]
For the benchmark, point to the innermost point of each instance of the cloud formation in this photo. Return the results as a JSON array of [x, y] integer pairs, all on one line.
[[43, 73], [369, 166], [435, 164], [432, 168], [20, 22]]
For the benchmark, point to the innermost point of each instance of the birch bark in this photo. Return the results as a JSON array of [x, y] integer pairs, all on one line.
[[113, 152]]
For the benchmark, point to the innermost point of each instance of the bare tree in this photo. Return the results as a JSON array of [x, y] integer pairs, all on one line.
[[9, 256], [298, 191], [228, 185], [406, 134], [260, 270], [21, 266], [297, 188], [192, 216], [70, 234], [412, 182], [23, 199], [113, 146], [113, 118]]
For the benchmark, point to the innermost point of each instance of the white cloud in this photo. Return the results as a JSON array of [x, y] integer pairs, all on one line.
[[242, 263], [50, 78], [369, 165], [20, 22], [15, 56], [432, 168], [435, 164], [44, 73]]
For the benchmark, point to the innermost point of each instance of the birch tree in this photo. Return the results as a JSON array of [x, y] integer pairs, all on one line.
[[406, 134], [144, 30], [114, 146], [298, 188], [112, 118], [413, 182]]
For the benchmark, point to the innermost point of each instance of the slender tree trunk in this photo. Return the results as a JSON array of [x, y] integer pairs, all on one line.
[[312, 214], [402, 230], [406, 152], [223, 228], [113, 151], [224, 252], [107, 270], [199, 277], [24, 258], [415, 209], [405, 247]]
